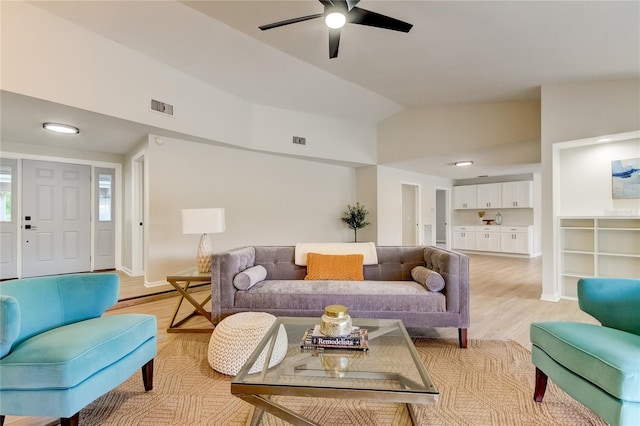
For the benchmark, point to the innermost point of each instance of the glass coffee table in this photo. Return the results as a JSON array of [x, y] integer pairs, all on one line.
[[390, 371]]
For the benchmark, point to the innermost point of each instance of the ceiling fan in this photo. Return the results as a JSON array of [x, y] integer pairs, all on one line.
[[337, 13]]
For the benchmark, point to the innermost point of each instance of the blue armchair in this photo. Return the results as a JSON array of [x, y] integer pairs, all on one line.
[[599, 366], [58, 353]]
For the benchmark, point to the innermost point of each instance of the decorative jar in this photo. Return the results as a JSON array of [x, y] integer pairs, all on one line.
[[335, 321]]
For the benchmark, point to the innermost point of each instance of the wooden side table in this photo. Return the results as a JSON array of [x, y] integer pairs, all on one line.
[[187, 277]]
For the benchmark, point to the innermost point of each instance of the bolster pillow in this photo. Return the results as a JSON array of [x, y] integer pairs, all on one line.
[[246, 279], [432, 280]]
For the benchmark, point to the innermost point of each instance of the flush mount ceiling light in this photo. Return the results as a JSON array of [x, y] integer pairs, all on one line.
[[335, 20], [463, 163], [61, 128]]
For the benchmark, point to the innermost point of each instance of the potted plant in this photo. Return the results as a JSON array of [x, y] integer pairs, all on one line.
[[354, 217]]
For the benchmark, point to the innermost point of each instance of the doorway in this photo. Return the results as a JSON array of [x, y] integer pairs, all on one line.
[[138, 215], [442, 218], [410, 215]]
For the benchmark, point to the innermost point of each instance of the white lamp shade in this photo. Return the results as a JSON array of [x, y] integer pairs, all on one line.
[[203, 221]]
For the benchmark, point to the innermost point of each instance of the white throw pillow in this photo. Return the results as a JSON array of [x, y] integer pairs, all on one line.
[[246, 279]]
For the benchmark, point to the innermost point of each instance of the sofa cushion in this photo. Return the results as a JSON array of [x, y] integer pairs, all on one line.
[[249, 277], [57, 359], [334, 267], [399, 296], [604, 356], [432, 280]]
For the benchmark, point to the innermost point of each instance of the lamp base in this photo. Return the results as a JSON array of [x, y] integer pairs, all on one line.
[[203, 258]]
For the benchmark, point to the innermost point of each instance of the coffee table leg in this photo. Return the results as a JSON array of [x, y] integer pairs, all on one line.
[[265, 404], [256, 416], [412, 414]]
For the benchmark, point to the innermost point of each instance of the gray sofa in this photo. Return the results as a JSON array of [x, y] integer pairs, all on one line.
[[388, 290]]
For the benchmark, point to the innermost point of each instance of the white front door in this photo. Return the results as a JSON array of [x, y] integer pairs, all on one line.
[[56, 218]]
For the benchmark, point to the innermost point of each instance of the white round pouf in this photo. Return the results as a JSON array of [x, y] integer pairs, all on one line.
[[237, 336]]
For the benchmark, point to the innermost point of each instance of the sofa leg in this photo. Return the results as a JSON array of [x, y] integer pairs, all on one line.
[[147, 375], [71, 421], [541, 385], [462, 337]]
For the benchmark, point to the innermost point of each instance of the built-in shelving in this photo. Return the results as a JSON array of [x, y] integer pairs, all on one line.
[[598, 247]]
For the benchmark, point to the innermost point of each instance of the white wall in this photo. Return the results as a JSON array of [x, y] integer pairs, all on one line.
[[94, 73], [269, 200], [585, 178], [389, 203], [571, 112]]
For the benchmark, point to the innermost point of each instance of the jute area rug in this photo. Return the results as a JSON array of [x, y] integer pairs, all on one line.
[[489, 383]]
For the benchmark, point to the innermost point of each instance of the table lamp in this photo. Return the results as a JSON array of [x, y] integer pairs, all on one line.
[[203, 221]]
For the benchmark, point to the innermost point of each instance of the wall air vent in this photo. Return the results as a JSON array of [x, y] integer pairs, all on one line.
[[162, 107], [299, 140]]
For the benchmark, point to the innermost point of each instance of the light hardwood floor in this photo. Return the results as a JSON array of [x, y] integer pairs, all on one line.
[[505, 299]]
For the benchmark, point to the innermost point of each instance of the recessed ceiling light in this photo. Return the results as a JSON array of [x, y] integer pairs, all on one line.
[[605, 140], [60, 128], [335, 20], [463, 163]]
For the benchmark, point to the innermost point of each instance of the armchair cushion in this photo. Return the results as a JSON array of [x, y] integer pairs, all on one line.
[[65, 356], [606, 357]]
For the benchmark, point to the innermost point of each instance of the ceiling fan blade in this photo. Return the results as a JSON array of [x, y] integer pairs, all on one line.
[[373, 19], [334, 43], [290, 21], [352, 3]]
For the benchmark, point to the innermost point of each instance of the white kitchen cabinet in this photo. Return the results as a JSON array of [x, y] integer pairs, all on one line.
[[516, 239], [464, 197], [464, 237], [517, 194], [489, 196], [488, 238]]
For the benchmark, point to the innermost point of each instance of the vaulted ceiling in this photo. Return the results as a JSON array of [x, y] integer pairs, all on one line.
[[457, 51]]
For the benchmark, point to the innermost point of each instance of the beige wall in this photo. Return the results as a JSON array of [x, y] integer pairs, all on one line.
[[367, 194], [423, 132], [578, 111], [389, 203], [268, 199]]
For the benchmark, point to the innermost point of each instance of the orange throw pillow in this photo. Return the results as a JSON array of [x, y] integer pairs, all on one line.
[[347, 267]]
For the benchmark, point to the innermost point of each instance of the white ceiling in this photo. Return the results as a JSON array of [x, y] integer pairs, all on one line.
[[457, 52]]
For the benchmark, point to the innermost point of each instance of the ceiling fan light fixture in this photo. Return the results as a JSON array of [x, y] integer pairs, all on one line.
[[335, 20], [61, 128], [463, 163]]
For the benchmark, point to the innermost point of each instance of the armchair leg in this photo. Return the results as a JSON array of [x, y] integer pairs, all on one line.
[[462, 337], [541, 385], [71, 421], [147, 375]]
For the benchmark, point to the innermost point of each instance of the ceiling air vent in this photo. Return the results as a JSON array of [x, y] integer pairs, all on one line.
[[162, 107]]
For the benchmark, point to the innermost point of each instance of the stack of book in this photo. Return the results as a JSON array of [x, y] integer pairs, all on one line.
[[314, 339]]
